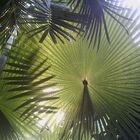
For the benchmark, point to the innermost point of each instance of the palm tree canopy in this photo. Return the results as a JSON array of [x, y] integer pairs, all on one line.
[[72, 72]]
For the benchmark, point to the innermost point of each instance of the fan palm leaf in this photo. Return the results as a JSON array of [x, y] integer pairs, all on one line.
[[113, 86], [98, 92]]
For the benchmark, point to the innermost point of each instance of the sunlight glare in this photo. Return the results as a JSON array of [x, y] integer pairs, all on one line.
[[41, 123], [52, 89], [59, 117], [132, 3]]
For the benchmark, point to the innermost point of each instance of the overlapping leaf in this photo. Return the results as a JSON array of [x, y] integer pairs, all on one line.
[[82, 125], [94, 13], [51, 19], [113, 85], [6, 130], [106, 108], [24, 77], [7, 20]]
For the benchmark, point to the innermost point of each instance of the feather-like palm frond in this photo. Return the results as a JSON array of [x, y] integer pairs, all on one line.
[[10, 11], [7, 20], [94, 13], [22, 85], [51, 19], [26, 77]]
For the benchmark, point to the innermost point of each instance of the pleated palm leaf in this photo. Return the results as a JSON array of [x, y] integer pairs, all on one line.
[[97, 93], [99, 90]]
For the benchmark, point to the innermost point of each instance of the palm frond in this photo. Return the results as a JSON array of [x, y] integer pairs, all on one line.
[[22, 85], [94, 13], [98, 92], [51, 19], [82, 126], [25, 77], [6, 130], [113, 85], [7, 21]]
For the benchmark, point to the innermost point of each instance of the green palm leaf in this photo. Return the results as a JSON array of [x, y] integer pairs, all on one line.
[[7, 20], [22, 85], [94, 13], [113, 86], [6, 128], [51, 19], [71, 91]]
